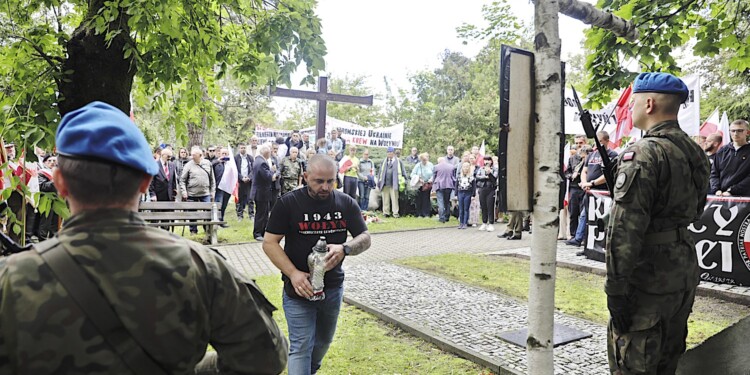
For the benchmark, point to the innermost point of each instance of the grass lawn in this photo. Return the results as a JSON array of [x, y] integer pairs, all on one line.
[[365, 345], [576, 293], [242, 231]]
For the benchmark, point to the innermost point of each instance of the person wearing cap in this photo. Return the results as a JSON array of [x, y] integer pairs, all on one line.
[[730, 173], [388, 184], [212, 154], [163, 298], [660, 188]]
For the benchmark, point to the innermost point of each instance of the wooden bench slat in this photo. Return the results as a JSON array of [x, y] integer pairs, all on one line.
[[171, 215], [171, 206], [185, 223]]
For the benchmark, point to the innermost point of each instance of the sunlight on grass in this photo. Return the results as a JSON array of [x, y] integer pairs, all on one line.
[[576, 293], [365, 345]]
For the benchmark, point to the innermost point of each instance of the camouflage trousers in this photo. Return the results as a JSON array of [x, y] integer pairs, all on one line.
[[657, 334]]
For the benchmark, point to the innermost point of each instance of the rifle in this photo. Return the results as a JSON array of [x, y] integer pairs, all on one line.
[[9, 246], [588, 127]]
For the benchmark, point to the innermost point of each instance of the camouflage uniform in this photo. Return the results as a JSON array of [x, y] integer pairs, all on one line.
[[290, 172], [660, 188], [174, 302]]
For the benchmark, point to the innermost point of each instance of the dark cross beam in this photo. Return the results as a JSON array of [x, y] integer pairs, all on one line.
[[323, 97]]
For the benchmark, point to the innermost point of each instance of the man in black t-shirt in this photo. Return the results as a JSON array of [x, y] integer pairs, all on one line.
[[301, 217]]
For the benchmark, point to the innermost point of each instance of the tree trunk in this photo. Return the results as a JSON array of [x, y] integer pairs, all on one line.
[[98, 71], [590, 15], [548, 138]]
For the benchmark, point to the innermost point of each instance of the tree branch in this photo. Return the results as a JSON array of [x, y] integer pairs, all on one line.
[[53, 61], [590, 15]]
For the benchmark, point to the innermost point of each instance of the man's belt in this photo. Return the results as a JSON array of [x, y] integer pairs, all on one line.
[[666, 237]]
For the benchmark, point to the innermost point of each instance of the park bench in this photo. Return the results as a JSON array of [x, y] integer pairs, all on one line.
[[173, 214]]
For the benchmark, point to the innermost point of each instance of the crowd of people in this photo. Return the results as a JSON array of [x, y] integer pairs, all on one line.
[[730, 174], [464, 187]]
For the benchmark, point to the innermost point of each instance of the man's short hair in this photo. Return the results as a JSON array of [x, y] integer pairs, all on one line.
[[262, 149], [715, 137], [320, 160], [579, 136], [602, 134], [739, 122], [295, 131], [98, 183]]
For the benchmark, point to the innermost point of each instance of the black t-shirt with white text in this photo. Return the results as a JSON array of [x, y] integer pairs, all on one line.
[[595, 165], [302, 220]]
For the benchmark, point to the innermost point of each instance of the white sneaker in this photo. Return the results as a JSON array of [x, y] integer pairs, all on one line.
[[483, 227], [490, 228]]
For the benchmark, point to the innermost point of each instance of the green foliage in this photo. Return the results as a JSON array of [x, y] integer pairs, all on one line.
[[723, 86], [457, 104], [705, 27], [179, 49]]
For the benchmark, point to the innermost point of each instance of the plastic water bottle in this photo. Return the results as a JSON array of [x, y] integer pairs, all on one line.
[[317, 265], [214, 212]]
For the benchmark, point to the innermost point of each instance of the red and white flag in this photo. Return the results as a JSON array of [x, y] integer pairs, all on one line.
[[623, 116], [724, 129], [711, 125], [230, 177]]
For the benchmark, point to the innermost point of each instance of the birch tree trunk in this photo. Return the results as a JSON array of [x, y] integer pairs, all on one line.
[[590, 15], [548, 138]]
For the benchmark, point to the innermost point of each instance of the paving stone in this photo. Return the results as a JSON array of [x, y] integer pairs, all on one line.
[[464, 316]]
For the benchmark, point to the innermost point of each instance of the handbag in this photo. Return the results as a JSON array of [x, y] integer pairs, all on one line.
[[427, 186]]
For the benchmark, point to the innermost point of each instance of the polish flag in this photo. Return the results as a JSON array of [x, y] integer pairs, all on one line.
[[711, 125], [724, 129], [623, 116]]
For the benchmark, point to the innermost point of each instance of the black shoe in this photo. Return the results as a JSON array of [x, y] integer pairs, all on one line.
[[572, 242], [504, 235], [518, 237], [580, 253], [225, 225], [526, 229]]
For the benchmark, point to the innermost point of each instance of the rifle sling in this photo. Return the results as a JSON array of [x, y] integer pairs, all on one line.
[[97, 309]]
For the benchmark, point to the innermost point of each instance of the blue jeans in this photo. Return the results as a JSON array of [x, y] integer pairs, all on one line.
[[581, 230], [204, 198], [444, 204], [311, 327], [222, 199], [364, 195], [464, 202]]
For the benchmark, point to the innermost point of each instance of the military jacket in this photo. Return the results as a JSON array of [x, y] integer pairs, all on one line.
[[172, 300], [661, 183]]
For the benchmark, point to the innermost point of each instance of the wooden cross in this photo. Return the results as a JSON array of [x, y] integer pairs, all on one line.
[[323, 97]]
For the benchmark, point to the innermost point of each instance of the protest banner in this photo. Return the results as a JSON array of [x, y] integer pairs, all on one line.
[[392, 136], [722, 238]]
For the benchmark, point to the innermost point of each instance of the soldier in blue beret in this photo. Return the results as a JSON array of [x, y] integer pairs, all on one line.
[[167, 297], [652, 271]]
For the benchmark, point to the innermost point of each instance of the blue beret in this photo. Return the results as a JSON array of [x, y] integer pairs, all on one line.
[[391, 149], [101, 131], [664, 83]]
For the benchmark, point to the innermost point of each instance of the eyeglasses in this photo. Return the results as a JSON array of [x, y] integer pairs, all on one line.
[[737, 130]]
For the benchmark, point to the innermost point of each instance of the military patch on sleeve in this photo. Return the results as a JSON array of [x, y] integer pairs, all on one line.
[[628, 156], [621, 178]]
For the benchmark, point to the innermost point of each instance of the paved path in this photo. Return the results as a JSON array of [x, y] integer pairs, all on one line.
[[457, 317]]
